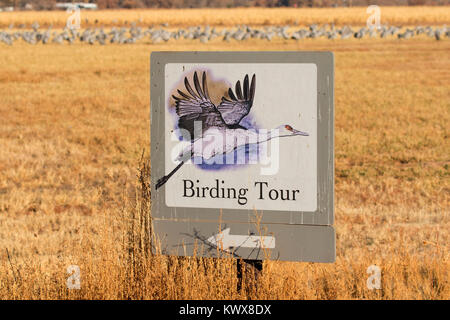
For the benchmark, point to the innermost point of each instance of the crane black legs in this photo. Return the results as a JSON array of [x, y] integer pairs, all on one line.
[[164, 179]]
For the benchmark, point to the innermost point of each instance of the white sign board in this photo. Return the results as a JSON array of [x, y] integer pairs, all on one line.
[[243, 142]]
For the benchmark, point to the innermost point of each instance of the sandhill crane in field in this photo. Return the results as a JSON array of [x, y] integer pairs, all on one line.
[[133, 34], [220, 124]]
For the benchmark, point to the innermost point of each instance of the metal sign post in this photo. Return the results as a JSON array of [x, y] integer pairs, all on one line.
[[242, 154], [255, 265]]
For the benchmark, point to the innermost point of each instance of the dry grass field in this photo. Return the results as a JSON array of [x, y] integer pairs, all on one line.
[[231, 17], [74, 172]]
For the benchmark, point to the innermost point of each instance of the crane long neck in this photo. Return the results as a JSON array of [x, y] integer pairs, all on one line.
[[268, 135]]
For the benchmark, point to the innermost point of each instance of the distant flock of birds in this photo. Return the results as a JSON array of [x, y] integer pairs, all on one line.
[[134, 33]]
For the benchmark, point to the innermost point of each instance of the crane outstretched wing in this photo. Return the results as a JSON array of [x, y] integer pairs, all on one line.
[[196, 106], [238, 106]]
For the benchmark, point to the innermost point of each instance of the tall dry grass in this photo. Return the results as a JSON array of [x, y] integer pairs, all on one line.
[[121, 265], [237, 16], [74, 121]]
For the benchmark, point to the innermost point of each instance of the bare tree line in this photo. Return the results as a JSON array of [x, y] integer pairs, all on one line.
[[131, 4]]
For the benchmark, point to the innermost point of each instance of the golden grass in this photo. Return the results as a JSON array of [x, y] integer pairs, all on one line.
[[74, 121], [236, 16]]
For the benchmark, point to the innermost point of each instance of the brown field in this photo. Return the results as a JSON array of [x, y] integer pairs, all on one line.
[[236, 16], [74, 137]]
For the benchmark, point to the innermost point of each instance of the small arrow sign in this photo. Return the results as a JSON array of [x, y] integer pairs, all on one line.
[[226, 241]]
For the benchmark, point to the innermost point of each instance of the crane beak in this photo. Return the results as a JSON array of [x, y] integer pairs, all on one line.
[[299, 133]]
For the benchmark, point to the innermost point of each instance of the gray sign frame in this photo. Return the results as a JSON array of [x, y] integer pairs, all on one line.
[[177, 227]]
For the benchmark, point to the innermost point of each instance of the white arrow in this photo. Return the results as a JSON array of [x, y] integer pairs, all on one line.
[[225, 241]]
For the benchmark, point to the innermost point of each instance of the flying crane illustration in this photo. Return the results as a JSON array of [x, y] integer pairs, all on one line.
[[219, 124]]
